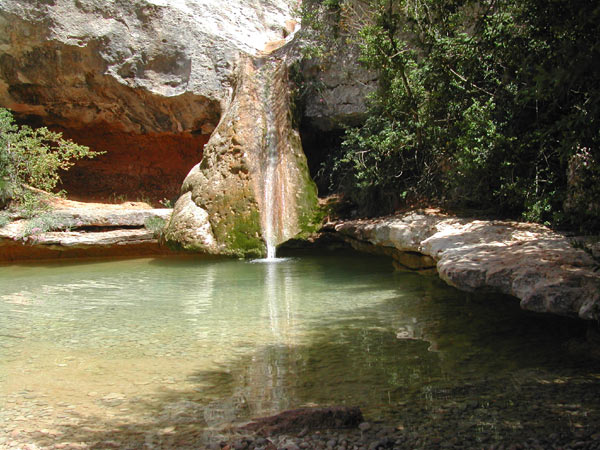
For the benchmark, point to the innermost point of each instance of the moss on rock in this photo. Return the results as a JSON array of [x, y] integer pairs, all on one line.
[[229, 183]]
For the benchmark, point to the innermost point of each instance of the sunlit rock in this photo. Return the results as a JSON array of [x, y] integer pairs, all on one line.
[[146, 65], [75, 230], [231, 183], [528, 261], [146, 81], [191, 226]]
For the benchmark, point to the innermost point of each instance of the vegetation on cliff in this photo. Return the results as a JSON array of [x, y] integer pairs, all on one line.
[[490, 104], [32, 158]]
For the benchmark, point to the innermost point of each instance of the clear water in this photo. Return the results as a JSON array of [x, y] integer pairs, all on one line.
[[201, 343]]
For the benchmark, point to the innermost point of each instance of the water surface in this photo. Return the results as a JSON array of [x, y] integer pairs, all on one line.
[[153, 346]]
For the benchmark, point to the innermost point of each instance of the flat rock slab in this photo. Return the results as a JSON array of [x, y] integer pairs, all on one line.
[[95, 239], [84, 229], [110, 218], [66, 219], [525, 260]]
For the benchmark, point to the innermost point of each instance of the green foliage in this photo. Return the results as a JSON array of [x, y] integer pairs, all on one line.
[[156, 225], [33, 158], [166, 203], [44, 223], [326, 21], [4, 218], [37, 225], [480, 104]]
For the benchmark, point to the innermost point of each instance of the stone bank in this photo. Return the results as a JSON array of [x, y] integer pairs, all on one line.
[[528, 261]]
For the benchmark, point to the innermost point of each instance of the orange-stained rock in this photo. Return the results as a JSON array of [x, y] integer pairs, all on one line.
[[11, 251], [253, 181], [146, 167]]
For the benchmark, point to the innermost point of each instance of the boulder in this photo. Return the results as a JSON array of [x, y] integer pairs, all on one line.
[[254, 142]]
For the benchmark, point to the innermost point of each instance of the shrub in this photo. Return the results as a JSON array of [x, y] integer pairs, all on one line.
[[480, 105], [33, 158], [156, 225]]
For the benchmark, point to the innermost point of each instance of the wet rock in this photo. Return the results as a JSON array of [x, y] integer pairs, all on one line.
[[364, 427], [312, 418], [289, 446], [229, 187]]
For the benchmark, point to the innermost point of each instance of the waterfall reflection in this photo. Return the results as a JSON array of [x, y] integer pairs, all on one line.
[[276, 362]]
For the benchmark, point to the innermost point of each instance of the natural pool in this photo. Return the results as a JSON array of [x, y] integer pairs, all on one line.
[[149, 351]]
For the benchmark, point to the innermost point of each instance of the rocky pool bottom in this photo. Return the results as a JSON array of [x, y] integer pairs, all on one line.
[[174, 352]]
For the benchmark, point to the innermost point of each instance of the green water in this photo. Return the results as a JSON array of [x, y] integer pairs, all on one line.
[[202, 343]]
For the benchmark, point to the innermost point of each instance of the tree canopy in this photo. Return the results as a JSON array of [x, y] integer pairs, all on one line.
[[491, 104]]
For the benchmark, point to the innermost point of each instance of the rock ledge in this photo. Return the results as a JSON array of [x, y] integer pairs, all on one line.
[[85, 230], [525, 260]]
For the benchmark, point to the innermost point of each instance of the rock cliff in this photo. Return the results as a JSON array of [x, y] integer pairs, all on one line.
[[228, 195], [143, 65], [143, 77]]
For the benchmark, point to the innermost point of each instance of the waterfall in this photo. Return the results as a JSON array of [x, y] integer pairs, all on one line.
[[274, 100], [271, 158], [252, 188]]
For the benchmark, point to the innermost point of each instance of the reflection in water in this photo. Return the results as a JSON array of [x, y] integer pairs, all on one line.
[[267, 387], [167, 341], [195, 306]]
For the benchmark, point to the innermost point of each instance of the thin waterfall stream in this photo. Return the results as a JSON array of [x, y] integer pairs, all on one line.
[[279, 217], [271, 179], [271, 161]]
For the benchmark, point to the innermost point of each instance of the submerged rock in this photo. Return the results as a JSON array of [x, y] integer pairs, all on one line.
[[307, 419], [525, 260]]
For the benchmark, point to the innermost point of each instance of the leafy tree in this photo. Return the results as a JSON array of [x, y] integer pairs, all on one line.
[[33, 158], [480, 104]]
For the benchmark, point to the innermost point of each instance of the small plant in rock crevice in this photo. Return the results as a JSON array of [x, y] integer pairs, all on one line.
[[4, 218], [43, 223], [166, 203], [156, 225]]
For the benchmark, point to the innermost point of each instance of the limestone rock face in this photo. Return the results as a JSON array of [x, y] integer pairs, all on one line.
[[145, 65], [343, 86], [144, 80], [230, 183], [84, 230], [528, 261], [192, 226], [108, 218]]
